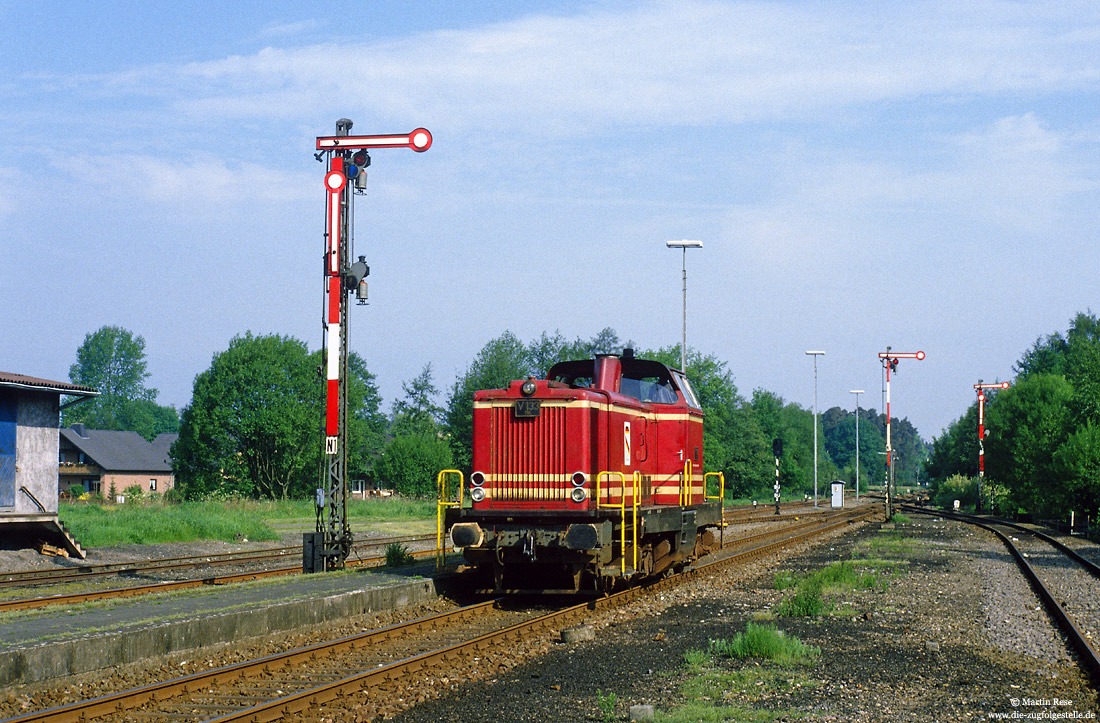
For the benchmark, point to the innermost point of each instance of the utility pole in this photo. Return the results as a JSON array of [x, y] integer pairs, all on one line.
[[857, 392], [328, 547], [815, 355]]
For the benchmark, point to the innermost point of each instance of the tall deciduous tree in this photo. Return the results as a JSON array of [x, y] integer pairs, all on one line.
[[499, 362], [417, 412], [112, 360], [252, 428]]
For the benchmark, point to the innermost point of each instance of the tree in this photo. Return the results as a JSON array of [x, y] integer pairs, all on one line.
[[417, 412], [252, 428], [411, 463], [112, 361], [499, 362], [1028, 423]]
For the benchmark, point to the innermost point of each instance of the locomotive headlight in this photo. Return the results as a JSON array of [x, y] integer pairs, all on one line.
[[579, 479], [528, 388], [477, 494], [477, 479], [579, 494]]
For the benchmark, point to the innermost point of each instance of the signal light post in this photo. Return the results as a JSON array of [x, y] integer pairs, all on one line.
[[982, 432], [330, 544], [890, 364]]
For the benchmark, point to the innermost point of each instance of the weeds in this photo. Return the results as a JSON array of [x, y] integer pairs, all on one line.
[[398, 555], [767, 642], [807, 600], [606, 703]]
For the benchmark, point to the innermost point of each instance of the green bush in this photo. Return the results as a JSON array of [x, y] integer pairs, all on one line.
[[957, 487], [410, 464], [398, 555]]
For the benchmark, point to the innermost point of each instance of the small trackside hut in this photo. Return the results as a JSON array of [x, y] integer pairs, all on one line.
[[583, 481]]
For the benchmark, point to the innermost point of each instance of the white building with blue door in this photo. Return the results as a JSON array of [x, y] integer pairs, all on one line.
[[30, 415]]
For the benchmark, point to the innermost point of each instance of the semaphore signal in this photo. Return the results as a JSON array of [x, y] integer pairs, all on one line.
[[348, 158]]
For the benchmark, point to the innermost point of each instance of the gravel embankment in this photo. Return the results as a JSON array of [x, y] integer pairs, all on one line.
[[955, 637]]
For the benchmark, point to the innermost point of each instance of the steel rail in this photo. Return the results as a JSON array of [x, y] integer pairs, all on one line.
[[1090, 659], [175, 585], [27, 578], [278, 708]]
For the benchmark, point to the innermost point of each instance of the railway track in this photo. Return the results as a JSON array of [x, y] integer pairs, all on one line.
[[277, 686], [1067, 584], [260, 559], [71, 598]]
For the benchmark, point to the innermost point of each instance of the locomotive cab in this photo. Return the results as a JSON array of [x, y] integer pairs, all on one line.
[[586, 479]]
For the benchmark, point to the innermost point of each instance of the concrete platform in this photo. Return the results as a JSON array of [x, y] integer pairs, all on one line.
[[42, 645]]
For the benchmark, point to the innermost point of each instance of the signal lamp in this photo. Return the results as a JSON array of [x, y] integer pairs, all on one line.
[[360, 158]]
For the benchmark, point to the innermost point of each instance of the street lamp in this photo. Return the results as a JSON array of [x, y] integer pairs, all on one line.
[[815, 355], [857, 392], [685, 245]]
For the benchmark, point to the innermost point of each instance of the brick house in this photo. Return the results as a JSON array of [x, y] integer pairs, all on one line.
[[100, 460]]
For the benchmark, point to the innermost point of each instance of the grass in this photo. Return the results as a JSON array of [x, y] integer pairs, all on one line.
[[808, 598], [104, 525], [717, 693]]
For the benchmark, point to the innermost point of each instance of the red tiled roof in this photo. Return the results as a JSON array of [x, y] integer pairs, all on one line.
[[21, 381]]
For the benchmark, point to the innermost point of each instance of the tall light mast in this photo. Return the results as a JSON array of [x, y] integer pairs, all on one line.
[[330, 544]]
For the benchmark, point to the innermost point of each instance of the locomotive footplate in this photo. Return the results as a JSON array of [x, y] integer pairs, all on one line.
[[538, 552]]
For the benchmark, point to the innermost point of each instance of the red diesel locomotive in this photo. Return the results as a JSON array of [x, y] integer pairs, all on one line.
[[585, 480]]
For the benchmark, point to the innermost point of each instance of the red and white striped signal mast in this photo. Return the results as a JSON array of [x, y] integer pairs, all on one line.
[[890, 363], [347, 156], [980, 389]]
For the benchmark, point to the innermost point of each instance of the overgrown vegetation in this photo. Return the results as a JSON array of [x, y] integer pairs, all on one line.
[[808, 600], [100, 525], [228, 521], [717, 692], [398, 555]]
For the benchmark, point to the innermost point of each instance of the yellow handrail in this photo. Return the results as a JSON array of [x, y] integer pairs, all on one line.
[[685, 487], [441, 480], [721, 485], [636, 488]]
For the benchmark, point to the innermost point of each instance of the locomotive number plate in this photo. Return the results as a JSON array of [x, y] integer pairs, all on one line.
[[527, 408]]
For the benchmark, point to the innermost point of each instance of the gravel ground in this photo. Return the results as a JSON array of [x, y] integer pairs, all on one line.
[[953, 638], [956, 637]]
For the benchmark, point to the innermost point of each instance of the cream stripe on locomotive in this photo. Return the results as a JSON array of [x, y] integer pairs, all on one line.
[[508, 403]]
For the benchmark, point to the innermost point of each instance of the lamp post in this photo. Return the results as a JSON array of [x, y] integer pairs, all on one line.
[[815, 355], [857, 392], [685, 245]]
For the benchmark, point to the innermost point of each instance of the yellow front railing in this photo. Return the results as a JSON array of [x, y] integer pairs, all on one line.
[[721, 486], [636, 489], [445, 501]]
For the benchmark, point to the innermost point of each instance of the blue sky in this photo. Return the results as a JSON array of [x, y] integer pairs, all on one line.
[[921, 175]]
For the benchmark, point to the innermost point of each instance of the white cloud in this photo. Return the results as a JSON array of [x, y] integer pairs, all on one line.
[[667, 63], [182, 183]]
